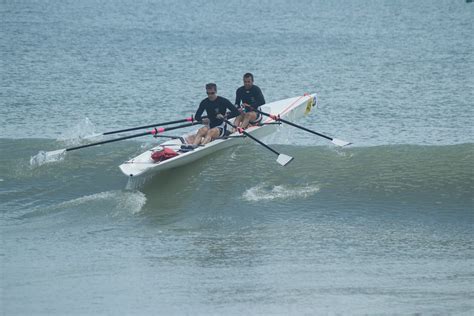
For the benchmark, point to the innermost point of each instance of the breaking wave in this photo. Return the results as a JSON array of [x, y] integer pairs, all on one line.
[[264, 192]]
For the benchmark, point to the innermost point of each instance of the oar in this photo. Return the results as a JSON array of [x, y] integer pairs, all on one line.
[[187, 119], [155, 131], [282, 158], [335, 141]]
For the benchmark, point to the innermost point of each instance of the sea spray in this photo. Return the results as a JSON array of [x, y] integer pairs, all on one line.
[[137, 183], [79, 134], [44, 157], [111, 203], [83, 130], [263, 192]]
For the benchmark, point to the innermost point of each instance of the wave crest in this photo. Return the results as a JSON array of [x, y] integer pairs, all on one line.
[[263, 192]]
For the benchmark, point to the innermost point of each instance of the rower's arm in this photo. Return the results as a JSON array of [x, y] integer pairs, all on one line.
[[238, 97], [200, 110], [233, 110], [259, 97]]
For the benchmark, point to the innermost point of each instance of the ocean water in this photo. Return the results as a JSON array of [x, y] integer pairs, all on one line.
[[384, 226]]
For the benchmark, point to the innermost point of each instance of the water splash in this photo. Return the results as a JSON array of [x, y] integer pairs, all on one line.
[[137, 183], [112, 203], [84, 130], [133, 201], [44, 157], [342, 152], [76, 135], [130, 201], [263, 192]]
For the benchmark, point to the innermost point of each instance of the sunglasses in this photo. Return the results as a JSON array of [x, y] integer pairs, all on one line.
[[210, 93]]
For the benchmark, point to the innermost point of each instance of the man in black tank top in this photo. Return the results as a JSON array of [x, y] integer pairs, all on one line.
[[247, 98], [216, 108]]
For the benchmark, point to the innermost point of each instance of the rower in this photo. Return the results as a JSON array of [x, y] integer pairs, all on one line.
[[216, 107], [247, 98]]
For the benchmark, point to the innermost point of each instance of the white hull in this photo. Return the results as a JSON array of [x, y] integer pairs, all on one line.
[[288, 109]]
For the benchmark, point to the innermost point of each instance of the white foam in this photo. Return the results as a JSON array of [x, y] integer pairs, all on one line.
[[84, 130], [264, 192], [131, 201], [341, 152], [136, 183], [44, 157]]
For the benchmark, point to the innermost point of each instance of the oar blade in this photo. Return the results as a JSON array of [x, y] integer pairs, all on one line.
[[284, 159], [340, 142], [44, 157]]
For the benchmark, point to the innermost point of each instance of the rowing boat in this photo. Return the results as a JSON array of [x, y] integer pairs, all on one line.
[[289, 109]]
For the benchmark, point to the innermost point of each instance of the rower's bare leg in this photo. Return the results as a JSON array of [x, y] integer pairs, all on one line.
[[190, 139], [212, 134], [200, 134], [238, 120], [250, 116]]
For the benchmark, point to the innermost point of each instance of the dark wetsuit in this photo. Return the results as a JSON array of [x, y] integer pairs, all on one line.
[[252, 97], [220, 105]]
